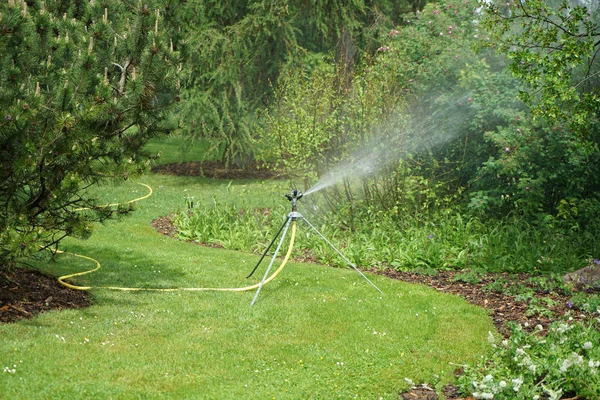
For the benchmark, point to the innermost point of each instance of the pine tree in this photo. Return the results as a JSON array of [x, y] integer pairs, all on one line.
[[83, 86]]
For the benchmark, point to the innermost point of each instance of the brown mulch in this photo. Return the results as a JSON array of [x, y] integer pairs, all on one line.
[[503, 308], [26, 293], [217, 170]]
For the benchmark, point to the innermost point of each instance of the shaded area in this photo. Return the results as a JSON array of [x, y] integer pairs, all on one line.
[[26, 293], [215, 169]]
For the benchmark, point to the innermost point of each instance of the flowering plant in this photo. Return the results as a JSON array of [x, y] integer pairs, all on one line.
[[561, 362]]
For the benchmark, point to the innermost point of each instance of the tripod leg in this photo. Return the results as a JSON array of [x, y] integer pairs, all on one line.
[[344, 257], [268, 248], [287, 225]]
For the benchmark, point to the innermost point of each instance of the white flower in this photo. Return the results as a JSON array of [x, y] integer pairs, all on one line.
[[554, 395], [491, 337], [588, 345], [565, 366], [517, 383], [532, 368], [502, 384], [562, 328], [527, 361]]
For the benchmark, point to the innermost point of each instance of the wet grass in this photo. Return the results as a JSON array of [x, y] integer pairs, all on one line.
[[315, 331]]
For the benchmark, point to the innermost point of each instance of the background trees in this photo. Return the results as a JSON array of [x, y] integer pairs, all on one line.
[[550, 163], [241, 52], [422, 92], [83, 85]]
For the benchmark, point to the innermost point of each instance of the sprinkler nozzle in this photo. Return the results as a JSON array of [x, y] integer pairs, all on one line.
[[295, 194]]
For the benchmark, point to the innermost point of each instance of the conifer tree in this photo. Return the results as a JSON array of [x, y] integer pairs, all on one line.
[[83, 85]]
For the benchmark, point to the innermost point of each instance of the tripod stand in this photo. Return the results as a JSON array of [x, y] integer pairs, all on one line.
[[291, 219]]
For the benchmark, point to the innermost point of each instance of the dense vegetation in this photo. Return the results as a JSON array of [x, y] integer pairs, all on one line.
[[415, 101], [83, 85], [443, 135]]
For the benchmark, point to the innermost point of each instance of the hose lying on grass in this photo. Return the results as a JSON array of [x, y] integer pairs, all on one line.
[[266, 280]]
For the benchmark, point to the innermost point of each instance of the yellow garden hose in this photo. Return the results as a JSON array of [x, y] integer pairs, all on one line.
[[62, 279], [122, 204]]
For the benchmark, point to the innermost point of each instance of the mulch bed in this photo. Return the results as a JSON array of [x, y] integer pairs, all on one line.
[[26, 293]]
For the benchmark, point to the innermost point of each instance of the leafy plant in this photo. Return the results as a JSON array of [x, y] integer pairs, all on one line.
[[470, 276], [547, 159], [563, 362], [448, 241], [541, 307], [588, 302]]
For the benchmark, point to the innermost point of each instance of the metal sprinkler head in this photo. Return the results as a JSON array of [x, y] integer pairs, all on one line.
[[294, 196]]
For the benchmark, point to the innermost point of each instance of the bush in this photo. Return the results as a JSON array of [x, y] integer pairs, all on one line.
[[565, 362]]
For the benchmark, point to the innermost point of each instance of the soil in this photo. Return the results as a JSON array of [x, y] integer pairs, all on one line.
[[26, 293]]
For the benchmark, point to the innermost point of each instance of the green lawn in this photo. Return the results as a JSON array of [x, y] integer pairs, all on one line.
[[315, 332]]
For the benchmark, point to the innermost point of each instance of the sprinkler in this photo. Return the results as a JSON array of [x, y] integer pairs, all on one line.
[[294, 196], [292, 217]]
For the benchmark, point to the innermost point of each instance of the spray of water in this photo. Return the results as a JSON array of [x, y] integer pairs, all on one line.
[[431, 124]]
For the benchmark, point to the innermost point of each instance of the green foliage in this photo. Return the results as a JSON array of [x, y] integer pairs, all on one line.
[[314, 124], [564, 362], [447, 241], [231, 71], [552, 48], [240, 56], [313, 332], [82, 87], [418, 110], [547, 159], [226, 225], [588, 302]]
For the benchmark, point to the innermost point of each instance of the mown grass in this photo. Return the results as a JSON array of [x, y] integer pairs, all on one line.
[[315, 332], [176, 149]]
